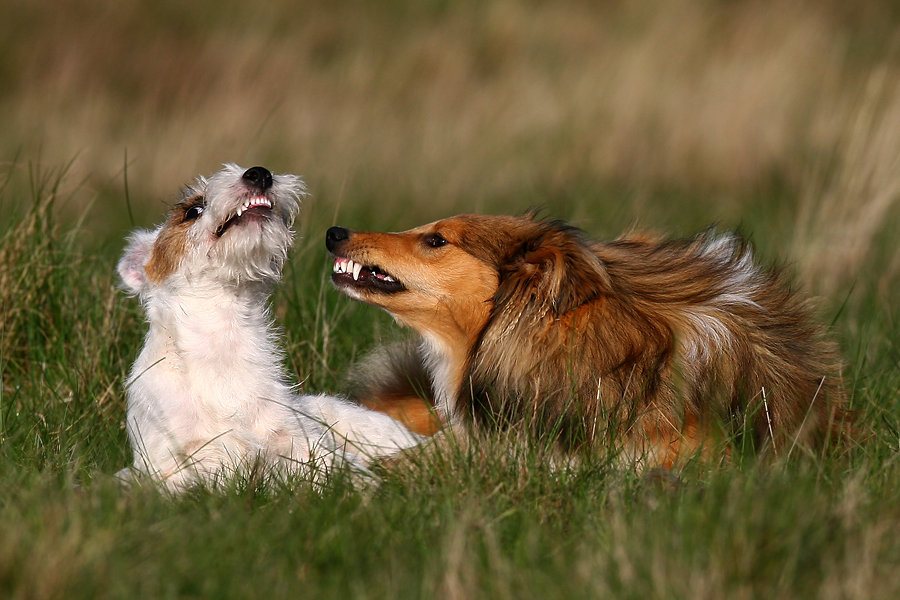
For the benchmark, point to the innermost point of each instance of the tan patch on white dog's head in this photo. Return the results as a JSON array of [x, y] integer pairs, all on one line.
[[171, 243]]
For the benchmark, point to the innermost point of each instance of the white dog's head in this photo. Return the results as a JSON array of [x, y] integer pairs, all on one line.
[[230, 228]]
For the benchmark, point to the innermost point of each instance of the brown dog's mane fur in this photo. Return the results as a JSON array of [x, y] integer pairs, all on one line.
[[662, 346]]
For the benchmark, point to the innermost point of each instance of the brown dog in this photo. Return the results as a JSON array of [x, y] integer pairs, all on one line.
[[658, 346]]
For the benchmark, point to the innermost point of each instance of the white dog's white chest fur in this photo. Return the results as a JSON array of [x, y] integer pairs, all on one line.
[[207, 396]]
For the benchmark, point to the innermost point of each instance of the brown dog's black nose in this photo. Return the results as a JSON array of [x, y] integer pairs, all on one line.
[[334, 236], [258, 177]]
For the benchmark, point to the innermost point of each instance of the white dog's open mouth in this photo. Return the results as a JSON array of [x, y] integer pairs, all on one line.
[[254, 208], [353, 274]]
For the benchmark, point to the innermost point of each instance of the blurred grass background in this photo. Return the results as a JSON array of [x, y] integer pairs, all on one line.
[[780, 118], [667, 114]]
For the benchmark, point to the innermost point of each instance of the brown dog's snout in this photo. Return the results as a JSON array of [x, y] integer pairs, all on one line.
[[334, 236]]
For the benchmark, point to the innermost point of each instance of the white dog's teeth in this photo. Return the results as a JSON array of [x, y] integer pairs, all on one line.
[[388, 278], [240, 211], [356, 269]]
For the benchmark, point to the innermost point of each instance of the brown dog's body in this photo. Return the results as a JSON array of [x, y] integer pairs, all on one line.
[[653, 345]]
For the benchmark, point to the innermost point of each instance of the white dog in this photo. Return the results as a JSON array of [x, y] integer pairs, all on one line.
[[208, 395]]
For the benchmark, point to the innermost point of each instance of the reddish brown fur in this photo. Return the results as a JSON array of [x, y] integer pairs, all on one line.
[[415, 413], [662, 348]]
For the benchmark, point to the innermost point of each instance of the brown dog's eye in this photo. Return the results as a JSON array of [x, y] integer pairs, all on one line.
[[434, 240]]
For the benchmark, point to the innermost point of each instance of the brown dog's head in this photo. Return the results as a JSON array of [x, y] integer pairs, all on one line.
[[444, 279]]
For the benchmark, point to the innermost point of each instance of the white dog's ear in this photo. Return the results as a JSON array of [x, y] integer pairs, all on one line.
[[132, 264]]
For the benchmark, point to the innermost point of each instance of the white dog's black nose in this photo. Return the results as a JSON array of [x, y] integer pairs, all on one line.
[[258, 177], [334, 236]]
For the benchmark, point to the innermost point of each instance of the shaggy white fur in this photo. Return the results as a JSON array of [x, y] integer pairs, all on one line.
[[208, 396]]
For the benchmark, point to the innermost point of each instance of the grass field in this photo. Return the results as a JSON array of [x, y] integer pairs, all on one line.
[[782, 119]]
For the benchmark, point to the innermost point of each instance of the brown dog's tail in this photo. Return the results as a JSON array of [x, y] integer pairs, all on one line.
[[393, 380]]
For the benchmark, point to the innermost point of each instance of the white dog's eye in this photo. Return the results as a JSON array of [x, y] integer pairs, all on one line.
[[434, 240], [192, 213]]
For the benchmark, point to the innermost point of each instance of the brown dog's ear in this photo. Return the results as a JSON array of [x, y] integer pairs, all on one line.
[[555, 269]]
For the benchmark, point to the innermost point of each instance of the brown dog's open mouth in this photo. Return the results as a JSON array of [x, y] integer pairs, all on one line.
[[256, 207], [353, 274]]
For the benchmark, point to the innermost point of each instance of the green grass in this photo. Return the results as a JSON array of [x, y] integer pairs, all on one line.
[[781, 118], [486, 524]]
